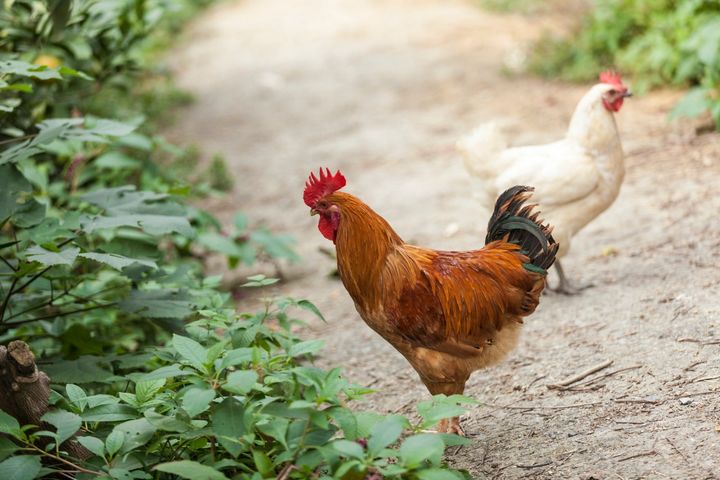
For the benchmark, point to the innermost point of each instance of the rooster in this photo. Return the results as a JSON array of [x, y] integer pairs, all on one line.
[[447, 313], [576, 178]]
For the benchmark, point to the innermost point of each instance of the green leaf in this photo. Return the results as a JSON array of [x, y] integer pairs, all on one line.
[[229, 425], [114, 442], [16, 198], [147, 389], [95, 445], [384, 434], [109, 413], [277, 246], [304, 348], [9, 425], [236, 357], [419, 448], [437, 474], [177, 423], [191, 351], [197, 400], [66, 423], [48, 258], [240, 381], [149, 211], [118, 262], [309, 306], [152, 224], [259, 281], [136, 433], [191, 470], [116, 160], [276, 427], [20, 467], [165, 372], [7, 448], [219, 243], [694, 103], [349, 449], [263, 464], [158, 303], [85, 369], [25, 69], [441, 406], [241, 222]]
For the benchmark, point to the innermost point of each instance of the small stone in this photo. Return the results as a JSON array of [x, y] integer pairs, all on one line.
[[685, 401]]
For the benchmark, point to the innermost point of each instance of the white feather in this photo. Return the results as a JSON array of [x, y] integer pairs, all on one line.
[[575, 178]]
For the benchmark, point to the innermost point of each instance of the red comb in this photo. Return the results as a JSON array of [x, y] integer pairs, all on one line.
[[316, 188], [611, 77]]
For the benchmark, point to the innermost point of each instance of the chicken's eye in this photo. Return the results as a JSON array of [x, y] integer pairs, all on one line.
[[612, 91]]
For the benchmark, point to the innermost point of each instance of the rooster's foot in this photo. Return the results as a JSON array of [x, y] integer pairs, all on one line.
[[451, 425]]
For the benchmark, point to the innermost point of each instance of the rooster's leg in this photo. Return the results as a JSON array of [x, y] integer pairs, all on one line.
[[564, 286], [448, 425]]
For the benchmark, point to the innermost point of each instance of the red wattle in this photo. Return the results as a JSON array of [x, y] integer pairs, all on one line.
[[326, 227]]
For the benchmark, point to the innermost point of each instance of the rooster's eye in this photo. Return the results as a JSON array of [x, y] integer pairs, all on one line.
[[612, 91]]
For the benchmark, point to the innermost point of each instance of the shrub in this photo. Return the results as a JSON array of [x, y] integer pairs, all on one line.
[[659, 42]]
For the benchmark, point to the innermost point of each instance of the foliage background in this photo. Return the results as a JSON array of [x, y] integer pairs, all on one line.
[[658, 42]]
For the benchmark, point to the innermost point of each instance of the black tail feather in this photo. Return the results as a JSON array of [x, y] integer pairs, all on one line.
[[515, 222]]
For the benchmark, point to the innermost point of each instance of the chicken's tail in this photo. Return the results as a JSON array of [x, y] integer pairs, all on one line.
[[515, 222], [480, 148]]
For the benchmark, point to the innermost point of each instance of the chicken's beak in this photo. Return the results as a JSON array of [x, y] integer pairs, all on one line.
[[313, 212], [627, 94]]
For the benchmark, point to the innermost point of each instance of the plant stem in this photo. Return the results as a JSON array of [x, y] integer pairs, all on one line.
[[66, 462], [62, 314], [7, 299], [32, 279], [8, 264]]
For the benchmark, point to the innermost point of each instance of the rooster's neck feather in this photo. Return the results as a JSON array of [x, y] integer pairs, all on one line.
[[363, 242]]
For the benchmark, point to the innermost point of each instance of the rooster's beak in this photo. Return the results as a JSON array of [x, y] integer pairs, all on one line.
[[627, 93], [313, 212]]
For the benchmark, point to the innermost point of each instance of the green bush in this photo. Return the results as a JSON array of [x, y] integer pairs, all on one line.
[[658, 42], [228, 399]]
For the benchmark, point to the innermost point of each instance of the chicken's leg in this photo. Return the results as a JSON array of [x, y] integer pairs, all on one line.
[[564, 286], [448, 425]]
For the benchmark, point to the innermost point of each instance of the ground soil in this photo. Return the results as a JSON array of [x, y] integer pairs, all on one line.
[[382, 90]]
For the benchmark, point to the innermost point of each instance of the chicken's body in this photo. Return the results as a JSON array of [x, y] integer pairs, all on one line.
[[575, 179], [447, 313]]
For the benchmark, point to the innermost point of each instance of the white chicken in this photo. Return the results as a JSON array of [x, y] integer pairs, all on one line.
[[575, 179]]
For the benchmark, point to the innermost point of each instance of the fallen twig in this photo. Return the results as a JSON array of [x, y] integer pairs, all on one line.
[[697, 394], [639, 400], [536, 465], [549, 407], [641, 454], [712, 341], [533, 382], [693, 365], [581, 375], [676, 449], [704, 379], [610, 374]]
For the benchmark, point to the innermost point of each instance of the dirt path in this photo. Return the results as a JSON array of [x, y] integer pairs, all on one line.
[[382, 90]]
